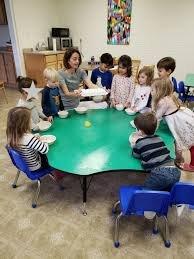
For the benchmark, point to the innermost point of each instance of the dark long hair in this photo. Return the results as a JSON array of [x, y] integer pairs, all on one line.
[[126, 62], [68, 55]]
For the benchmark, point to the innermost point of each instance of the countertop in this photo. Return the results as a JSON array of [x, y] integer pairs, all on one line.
[[44, 52]]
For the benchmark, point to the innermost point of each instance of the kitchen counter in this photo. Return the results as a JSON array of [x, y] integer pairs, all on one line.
[[45, 52]]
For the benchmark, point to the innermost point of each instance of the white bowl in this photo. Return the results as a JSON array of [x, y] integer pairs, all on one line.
[[98, 98], [44, 125], [129, 111], [119, 107], [146, 109], [63, 114], [49, 139], [81, 110]]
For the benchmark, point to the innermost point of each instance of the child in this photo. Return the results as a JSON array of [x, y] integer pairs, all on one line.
[[31, 148], [70, 78], [180, 120], [122, 88], [51, 102], [166, 67], [154, 155], [20, 138], [102, 72], [143, 89], [36, 114]]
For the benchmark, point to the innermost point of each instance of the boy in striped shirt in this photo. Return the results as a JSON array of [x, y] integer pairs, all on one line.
[[154, 155]]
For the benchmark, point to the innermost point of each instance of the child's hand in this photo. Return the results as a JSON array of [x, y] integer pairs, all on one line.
[[113, 103], [127, 105], [50, 119]]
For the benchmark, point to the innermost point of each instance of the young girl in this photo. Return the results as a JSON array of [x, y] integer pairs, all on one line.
[[143, 89], [20, 138], [122, 88], [36, 113], [51, 100], [70, 78], [180, 120]]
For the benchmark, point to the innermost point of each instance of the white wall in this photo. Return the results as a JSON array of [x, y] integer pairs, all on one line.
[[159, 28], [33, 20], [4, 35]]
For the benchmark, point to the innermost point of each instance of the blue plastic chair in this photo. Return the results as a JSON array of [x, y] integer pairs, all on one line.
[[21, 165], [183, 96], [134, 200], [183, 193], [174, 83]]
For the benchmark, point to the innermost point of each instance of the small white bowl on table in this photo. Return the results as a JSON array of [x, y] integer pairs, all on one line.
[[49, 139], [130, 111], [44, 125], [81, 110], [119, 107], [63, 114]]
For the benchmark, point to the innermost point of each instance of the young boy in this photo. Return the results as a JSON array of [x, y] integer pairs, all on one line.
[[36, 113], [154, 155], [166, 67], [106, 62], [51, 100]]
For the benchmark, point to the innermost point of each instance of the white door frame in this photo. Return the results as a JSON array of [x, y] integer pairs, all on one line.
[[17, 52]]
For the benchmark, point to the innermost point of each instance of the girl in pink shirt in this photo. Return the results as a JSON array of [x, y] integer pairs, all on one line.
[[122, 88], [180, 119]]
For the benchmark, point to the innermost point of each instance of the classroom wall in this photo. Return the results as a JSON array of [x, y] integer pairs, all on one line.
[[33, 21], [159, 28]]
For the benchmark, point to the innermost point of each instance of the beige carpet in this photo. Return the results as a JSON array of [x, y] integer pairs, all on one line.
[[57, 229]]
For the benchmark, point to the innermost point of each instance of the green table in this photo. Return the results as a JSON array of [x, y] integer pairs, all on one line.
[[103, 147]]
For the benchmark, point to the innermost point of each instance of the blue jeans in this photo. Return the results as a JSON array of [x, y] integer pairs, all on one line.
[[162, 178]]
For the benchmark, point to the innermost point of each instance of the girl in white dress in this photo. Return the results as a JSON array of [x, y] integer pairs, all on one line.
[[143, 89], [180, 119]]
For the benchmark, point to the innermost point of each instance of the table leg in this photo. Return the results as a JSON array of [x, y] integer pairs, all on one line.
[[84, 188]]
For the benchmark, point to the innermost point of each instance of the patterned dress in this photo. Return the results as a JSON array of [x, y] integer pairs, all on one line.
[[180, 122], [122, 89]]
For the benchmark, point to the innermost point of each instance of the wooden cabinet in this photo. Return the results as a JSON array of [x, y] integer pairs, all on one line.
[[7, 68], [3, 16], [36, 62]]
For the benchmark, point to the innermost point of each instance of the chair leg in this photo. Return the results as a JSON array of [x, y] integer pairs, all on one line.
[[5, 95], [155, 229], [61, 187], [114, 209], [116, 234], [34, 202], [166, 241], [14, 185]]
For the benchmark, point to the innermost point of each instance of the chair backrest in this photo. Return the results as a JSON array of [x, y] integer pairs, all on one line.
[[148, 200], [182, 193], [17, 160], [135, 67], [174, 84], [181, 89]]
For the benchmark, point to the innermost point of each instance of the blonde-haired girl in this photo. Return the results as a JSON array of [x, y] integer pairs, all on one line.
[[142, 90], [180, 119], [19, 137]]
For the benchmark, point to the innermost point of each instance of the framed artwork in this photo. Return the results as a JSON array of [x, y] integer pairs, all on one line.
[[118, 22]]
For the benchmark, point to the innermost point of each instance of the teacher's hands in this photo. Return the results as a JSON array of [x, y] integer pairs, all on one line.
[[77, 93]]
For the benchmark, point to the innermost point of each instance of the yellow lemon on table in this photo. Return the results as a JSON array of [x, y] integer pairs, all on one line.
[[87, 124]]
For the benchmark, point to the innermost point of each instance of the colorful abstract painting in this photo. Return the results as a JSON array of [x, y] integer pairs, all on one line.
[[119, 21]]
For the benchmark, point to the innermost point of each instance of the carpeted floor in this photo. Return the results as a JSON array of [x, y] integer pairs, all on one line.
[[57, 229]]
